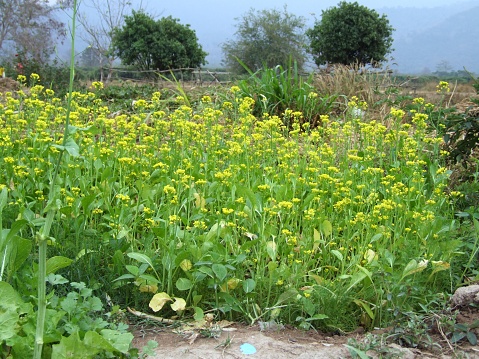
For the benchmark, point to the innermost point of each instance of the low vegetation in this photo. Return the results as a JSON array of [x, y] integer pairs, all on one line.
[[244, 202]]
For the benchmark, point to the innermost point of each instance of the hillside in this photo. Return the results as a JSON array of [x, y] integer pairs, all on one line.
[[434, 36]]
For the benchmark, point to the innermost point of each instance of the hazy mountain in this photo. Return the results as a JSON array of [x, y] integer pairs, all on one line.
[[427, 39]]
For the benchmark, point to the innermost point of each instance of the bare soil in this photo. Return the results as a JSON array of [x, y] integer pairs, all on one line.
[[287, 342]]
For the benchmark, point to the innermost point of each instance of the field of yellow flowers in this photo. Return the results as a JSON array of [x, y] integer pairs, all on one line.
[[186, 208]]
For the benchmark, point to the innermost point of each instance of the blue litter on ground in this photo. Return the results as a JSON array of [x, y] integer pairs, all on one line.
[[247, 348]]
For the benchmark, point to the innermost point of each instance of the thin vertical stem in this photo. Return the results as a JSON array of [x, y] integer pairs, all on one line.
[[44, 233]]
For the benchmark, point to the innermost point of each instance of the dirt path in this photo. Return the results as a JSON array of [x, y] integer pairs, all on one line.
[[275, 344]]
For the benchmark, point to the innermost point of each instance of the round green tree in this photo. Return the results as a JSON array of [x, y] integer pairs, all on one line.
[[266, 38], [350, 34], [163, 44]]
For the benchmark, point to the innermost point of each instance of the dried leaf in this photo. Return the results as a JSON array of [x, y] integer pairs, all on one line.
[[158, 301], [179, 304]]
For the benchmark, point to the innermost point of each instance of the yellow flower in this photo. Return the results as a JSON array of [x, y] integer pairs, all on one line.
[[443, 87], [97, 85], [34, 77]]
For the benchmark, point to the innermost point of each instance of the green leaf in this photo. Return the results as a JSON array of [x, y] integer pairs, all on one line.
[[220, 271], [199, 314], [140, 257], [184, 284], [360, 353], [70, 146], [249, 285], [326, 228], [472, 338], [271, 249], [366, 307], [15, 253], [457, 336], [317, 317], [72, 347], [120, 341], [56, 263], [3, 198], [414, 267], [98, 343], [337, 254], [357, 278], [9, 315], [289, 295]]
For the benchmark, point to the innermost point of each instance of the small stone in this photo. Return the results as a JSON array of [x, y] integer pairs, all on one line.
[[465, 295]]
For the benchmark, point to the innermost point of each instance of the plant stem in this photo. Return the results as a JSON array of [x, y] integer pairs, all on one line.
[[44, 232]]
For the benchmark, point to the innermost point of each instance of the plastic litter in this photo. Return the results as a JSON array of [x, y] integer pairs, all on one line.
[[247, 349]]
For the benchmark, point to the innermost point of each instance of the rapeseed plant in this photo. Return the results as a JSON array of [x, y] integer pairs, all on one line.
[[240, 213]]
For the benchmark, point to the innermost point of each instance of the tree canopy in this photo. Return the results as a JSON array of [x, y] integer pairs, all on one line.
[[350, 33], [266, 38], [29, 27], [163, 44], [98, 33]]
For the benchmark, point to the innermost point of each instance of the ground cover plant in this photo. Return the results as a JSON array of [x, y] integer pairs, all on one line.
[[183, 208]]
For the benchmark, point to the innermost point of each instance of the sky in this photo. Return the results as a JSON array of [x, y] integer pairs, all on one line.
[[214, 20]]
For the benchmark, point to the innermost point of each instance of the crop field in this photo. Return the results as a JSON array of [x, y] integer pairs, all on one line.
[[183, 207]]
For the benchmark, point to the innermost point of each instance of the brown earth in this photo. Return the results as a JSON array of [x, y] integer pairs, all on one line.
[[285, 342]]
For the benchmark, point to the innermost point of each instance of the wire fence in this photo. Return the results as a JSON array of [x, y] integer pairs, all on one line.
[[192, 75]]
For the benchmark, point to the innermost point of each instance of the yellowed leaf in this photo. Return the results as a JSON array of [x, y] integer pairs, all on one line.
[[233, 283], [370, 255], [179, 304], [199, 200], [146, 288], [159, 300], [186, 265]]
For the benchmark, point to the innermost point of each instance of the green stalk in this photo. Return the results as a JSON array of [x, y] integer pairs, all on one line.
[[44, 233]]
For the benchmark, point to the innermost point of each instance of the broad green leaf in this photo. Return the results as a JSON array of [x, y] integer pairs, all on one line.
[[95, 341], [56, 263], [220, 271], [337, 254], [357, 278], [9, 311], [249, 285], [140, 257], [16, 253], [199, 314], [249, 194], [414, 267], [285, 297], [120, 341], [70, 146], [271, 250], [159, 300], [72, 347], [316, 235], [184, 284], [376, 237], [472, 338]]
